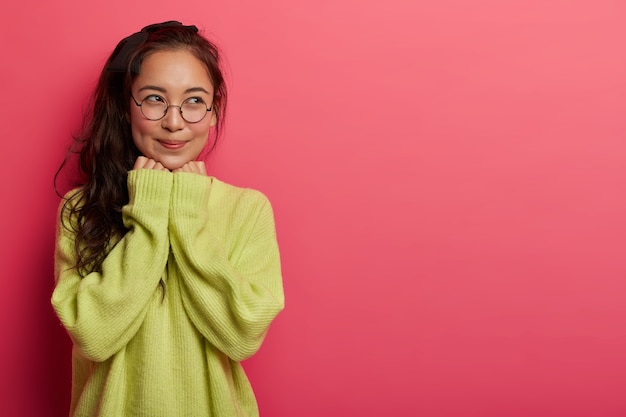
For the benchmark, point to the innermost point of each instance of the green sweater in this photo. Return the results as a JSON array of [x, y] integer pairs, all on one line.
[[139, 351]]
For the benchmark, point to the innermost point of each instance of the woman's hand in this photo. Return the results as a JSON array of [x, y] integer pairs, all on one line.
[[196, 167], [146, 163]]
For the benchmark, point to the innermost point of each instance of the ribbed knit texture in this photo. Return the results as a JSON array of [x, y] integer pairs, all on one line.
[[141, 352]]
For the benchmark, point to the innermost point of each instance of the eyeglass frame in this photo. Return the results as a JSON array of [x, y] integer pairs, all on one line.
[[180, 109]]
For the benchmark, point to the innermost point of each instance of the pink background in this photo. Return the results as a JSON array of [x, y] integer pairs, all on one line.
[[448, 179]]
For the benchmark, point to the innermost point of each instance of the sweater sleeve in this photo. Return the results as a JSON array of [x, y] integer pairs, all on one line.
[[103, 310], [230, 294]]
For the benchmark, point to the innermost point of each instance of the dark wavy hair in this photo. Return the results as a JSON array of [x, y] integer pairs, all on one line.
[[105, 147]]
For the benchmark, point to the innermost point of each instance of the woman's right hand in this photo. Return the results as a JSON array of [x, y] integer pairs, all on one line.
[[146, 163]]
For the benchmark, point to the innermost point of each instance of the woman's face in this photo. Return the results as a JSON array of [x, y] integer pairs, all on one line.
[[173, 77]]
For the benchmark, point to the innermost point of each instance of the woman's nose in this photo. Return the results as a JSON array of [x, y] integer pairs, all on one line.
[[173, 119]]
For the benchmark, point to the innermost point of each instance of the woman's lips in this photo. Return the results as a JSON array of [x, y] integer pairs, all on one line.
[[171, 144]]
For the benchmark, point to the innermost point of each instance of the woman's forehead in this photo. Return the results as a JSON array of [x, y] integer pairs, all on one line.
[[173, 71]]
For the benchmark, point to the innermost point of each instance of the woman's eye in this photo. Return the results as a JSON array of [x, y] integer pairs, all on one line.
[[153, 98], [194, 100]]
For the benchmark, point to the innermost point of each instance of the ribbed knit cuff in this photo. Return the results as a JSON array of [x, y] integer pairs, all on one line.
[[150, 190], [190, 195]]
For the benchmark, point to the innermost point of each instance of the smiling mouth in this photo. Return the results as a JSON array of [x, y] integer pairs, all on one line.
[[170, 144]]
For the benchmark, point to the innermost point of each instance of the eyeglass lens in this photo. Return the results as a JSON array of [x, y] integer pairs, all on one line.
[[192, 110]]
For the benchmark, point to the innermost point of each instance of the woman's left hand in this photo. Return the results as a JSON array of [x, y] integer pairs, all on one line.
[[196, 167]]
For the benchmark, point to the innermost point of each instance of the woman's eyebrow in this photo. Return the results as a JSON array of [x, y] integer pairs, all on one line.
[[163, 90], [152, 87], [196, 90]]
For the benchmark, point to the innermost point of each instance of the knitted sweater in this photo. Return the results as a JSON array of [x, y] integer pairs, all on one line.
[[139, 350]]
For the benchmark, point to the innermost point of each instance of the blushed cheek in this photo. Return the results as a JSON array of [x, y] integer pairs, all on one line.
[[140, 129], [138, 122]]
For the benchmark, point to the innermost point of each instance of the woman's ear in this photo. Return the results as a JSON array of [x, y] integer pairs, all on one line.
[[215, 111]]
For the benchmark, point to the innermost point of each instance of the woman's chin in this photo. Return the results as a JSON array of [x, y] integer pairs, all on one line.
[[173, 163]]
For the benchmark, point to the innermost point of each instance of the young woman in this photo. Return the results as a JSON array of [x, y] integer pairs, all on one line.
[[166, 278]]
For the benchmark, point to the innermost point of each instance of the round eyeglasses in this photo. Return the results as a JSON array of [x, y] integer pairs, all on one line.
[[155, 107]]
